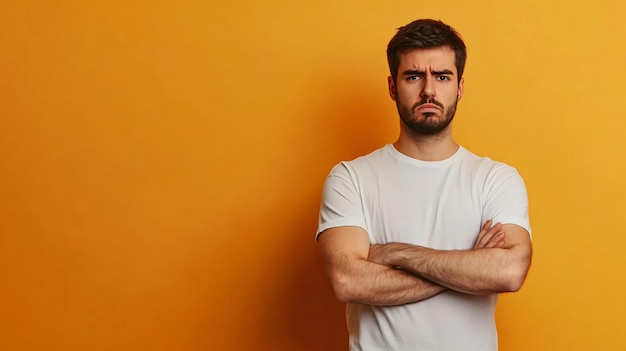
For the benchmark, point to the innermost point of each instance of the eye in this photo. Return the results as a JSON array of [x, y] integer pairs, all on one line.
[[412, 78], [443, 78]]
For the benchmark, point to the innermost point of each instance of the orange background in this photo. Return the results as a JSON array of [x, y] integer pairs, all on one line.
[[161, 164]]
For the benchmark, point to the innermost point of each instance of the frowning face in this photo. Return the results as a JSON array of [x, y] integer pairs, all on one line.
[[427, 89]]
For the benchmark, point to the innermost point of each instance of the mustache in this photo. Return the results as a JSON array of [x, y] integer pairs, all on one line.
[[427, 101]]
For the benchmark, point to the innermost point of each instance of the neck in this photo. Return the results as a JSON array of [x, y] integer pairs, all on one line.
[[427, 147]]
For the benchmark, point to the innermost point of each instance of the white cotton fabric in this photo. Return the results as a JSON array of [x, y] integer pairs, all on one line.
[[440, 205]]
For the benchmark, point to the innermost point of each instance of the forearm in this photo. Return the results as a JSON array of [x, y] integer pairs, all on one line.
[[475, 271], [361, 281], [344, 254]]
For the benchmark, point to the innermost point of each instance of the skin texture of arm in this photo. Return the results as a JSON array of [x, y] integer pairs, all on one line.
[[481, 270], [344, 254]]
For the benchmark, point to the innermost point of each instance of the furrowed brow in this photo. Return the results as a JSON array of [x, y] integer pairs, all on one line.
[[443, 72], [413, 72]]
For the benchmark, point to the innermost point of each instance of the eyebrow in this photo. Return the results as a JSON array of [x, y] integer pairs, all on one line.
[[412, 72]]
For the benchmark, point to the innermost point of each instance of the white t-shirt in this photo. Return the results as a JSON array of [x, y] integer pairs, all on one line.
[[440, 205]]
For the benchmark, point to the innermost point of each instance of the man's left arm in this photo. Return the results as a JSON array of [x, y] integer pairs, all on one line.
[[473, 271]]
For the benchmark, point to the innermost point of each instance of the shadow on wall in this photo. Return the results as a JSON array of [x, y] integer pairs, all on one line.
[[295, 308], [351, 120], [316, 319]]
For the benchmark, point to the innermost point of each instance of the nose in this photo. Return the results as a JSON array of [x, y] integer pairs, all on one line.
[[428, 90]]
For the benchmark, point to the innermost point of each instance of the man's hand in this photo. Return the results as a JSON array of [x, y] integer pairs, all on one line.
[[490, 236]]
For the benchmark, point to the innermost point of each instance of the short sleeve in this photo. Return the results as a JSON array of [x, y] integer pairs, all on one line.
[[341, 201], [506, 199]]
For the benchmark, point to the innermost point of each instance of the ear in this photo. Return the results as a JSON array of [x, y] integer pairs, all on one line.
[[392, 88], [461, 90]]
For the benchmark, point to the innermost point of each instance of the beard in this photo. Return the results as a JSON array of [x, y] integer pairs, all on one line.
[[430, 124]]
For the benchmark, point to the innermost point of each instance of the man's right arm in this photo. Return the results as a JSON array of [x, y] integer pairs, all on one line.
[[343, 252]]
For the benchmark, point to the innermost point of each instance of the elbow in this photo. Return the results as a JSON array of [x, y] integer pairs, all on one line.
[[342, 296], [517, 270], [515, 278], [342, 288], [514, 283]]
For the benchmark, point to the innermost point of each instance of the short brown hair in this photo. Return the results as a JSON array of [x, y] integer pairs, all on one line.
[[425, 34]]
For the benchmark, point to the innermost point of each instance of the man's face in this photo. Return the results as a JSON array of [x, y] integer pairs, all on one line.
[[427, 89]]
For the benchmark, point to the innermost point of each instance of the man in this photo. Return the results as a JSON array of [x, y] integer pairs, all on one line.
[[420, 236]]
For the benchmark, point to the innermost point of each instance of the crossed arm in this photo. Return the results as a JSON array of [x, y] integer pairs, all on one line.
[[397, 273]]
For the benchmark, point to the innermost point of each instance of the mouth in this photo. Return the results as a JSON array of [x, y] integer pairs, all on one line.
[[428, 107]]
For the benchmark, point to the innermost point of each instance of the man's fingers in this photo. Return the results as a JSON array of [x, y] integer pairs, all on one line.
[[486, 236], [496, 241], [500, 243], [483, 231], [485, 227]]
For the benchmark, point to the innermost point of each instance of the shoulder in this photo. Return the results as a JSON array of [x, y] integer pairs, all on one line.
[[486, 166], [500, 183], [370, 161]]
